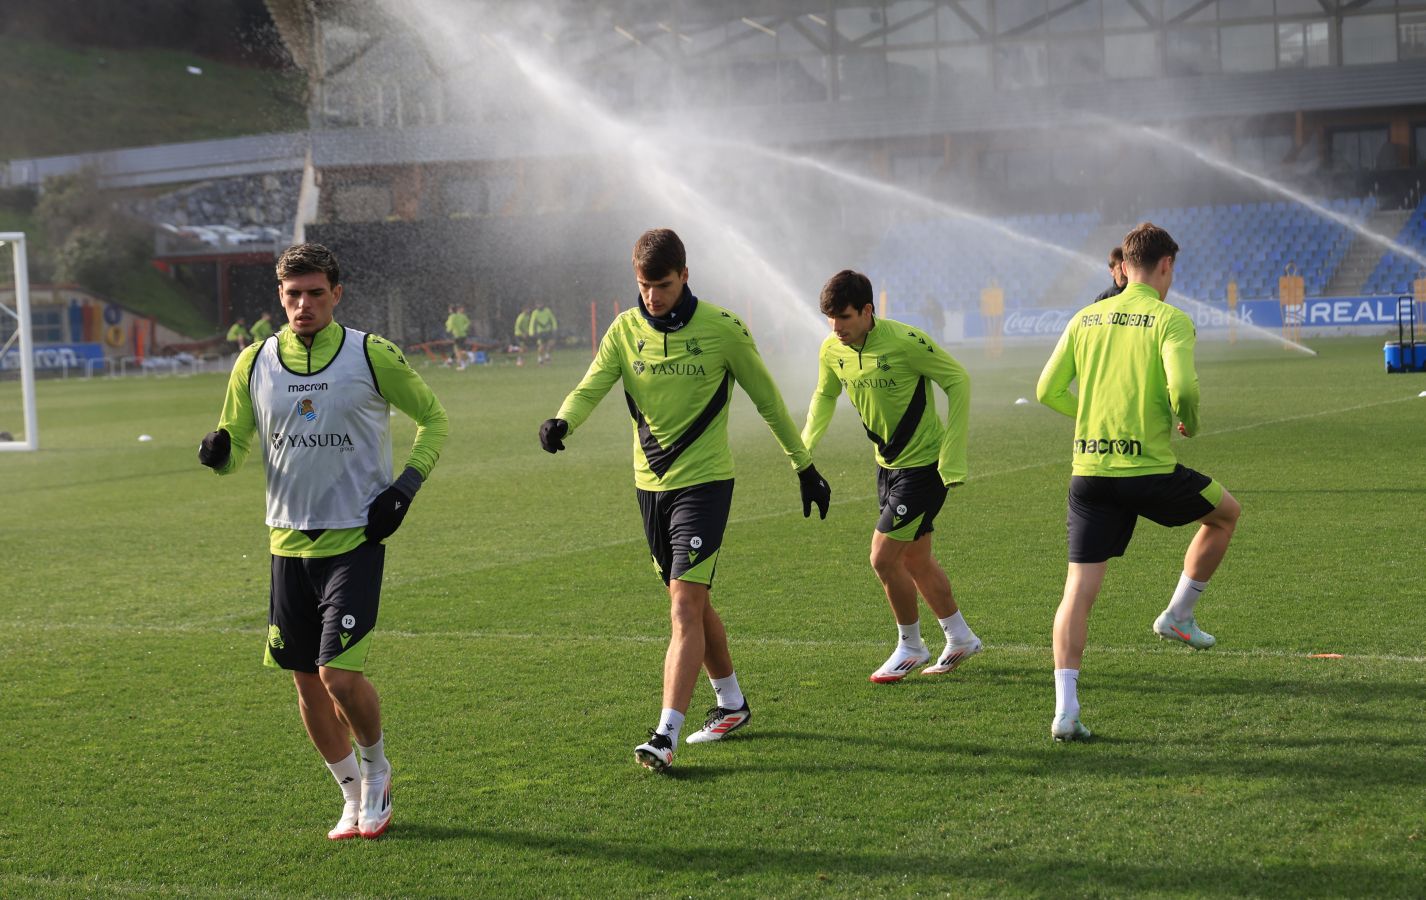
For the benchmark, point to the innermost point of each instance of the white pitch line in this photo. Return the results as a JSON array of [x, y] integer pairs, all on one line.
[[661, 640]]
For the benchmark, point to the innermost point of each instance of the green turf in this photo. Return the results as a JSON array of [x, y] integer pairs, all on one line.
[[148, 753], [81, 99]]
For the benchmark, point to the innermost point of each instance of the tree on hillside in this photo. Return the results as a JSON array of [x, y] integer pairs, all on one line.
[[95, 243]]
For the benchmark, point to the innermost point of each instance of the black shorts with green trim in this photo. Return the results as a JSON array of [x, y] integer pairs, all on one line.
[[1104, 510], [321, 611], [685, 529], [909, 499]]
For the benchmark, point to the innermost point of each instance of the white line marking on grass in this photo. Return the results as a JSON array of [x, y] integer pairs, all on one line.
[[484, 635], [1312, 415]]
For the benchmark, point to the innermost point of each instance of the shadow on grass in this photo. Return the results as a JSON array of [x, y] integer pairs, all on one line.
[[853, 869]]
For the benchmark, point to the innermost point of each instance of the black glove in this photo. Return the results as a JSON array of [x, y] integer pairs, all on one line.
[[384, 515], [552, 433], [814, 490], [217, 446]]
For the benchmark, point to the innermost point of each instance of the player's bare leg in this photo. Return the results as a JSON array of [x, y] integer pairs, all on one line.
[[687, 647], [935, 586], [887, 560], [331, 734], [1082, 584], [731, 712], [360, 706], [1205, 553]]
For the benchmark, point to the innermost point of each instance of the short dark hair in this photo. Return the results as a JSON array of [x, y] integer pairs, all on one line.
[[843, 290], [1146, 245], [1116, 255], [303, 259], [658, 252]]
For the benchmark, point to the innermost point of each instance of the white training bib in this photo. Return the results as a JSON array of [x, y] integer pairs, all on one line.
[[326, 437]]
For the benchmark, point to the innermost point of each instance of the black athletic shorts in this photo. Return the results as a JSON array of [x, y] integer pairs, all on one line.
[[685, 529], [909, 500], [1104, 510], [321, 611]]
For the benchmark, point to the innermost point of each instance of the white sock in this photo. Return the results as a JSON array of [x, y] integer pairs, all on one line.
[[670, 722], [373, 758], [730, 696], [910, 634], [1067, 693], [956, 629], [348, 775], [1185, 597]]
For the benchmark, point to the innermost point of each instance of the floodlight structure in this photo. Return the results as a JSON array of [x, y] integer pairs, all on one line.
[[21, 313]]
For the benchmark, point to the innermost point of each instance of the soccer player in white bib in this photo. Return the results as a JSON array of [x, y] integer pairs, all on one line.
[[317, 397]]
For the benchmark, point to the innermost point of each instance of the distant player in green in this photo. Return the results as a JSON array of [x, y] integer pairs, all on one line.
[[542, 327], [886, 369], [316, 399], [262, 328], [678, 358], [522, 333], [458, 327], [1133, 356], [238, 334]]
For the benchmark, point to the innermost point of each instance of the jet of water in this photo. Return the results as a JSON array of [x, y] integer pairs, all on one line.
[[1277, 187], [910, 198]]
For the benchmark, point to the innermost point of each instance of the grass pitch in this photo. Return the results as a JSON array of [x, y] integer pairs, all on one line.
[[148, 753]]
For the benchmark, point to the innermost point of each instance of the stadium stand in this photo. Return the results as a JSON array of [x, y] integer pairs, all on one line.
[[952, 259], [1395, 273], [1253, 243]]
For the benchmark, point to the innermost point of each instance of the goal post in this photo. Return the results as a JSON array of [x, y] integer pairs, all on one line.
[[15, 243]]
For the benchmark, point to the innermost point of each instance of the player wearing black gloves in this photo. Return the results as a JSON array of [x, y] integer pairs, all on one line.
[[678, 358], [316, 398], [887, 369]]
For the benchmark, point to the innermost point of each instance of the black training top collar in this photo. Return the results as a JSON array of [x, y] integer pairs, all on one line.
[[675, 318]]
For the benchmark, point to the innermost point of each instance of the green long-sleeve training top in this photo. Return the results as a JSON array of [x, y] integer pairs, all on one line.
[[1133, 357], [678, 386]]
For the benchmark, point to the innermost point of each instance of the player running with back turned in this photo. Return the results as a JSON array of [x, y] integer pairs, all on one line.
[[678, 358], [1133, 356], [885, 367], [315, 398]]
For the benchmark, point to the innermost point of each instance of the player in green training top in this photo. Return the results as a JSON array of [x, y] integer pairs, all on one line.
[[458, 327], [238, 334], [522, 333], [1133, 356], [886, 367], [262, 328], [678, 357], [316, 398], [542, 328]]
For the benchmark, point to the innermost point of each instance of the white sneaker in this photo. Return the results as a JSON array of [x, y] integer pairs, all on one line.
[[346, 826], [720, 723], [901, 662], [953, 656], [655, 754], [1184, 631], [375, 806], [1069, 728]]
